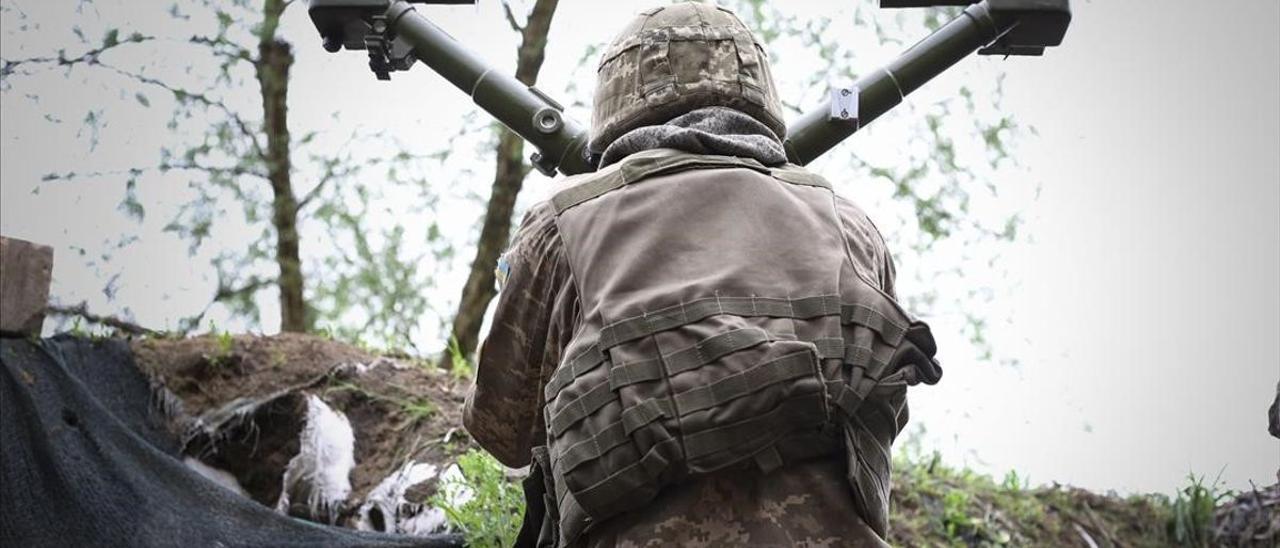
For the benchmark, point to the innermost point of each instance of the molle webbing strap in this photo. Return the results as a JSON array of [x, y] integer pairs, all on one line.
[[850, 399], [705, 351], [614, 435], [713, 348], [632, 482], [892, 331], [642, 166], [755, 379], [868, 371], [790, 366], [627, 374], [682, 314], [829, 348], [867, 361], [679, 315], [798, 410], [580, 407], [592, 401], [645, 413], [575, 367]]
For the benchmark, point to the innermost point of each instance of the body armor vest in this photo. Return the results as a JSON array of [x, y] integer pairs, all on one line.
[[724, 323]]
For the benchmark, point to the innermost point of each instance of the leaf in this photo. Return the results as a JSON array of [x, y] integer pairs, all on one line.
[[142, 99], [130, 204], [112, 38]]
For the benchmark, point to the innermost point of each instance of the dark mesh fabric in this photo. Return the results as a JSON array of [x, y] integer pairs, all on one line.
[[85, 461]]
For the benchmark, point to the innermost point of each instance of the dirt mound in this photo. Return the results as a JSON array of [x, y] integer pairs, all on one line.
[[1250, 519], [241, 401]]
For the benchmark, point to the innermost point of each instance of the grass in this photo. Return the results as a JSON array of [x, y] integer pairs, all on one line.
[[933, 505], [223, 346], [1191, 524], [459, 365], [414, 409], [936, 505]]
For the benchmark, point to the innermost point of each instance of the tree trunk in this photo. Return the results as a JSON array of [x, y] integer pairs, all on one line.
[[507, 181], [272, 66]]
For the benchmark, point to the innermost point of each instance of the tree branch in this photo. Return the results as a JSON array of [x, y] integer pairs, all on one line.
[[533, 44], [324, 181], [223, 47], [185, 95], [82, 311], [88, 57], [226, 292], [511, 17], [213, 170]]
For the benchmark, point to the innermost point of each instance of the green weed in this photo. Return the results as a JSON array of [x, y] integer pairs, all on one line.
[[1191, 523], [493, 515], [223, 345], [460, 366], [414, 410]]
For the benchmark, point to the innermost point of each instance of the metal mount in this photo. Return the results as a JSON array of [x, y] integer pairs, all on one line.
[[1035, 24], [396, 36]]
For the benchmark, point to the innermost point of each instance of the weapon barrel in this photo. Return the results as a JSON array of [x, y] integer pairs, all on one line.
[[814, 133], [524, 110]]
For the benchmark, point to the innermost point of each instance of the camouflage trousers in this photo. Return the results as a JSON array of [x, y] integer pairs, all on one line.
[[808, 504]]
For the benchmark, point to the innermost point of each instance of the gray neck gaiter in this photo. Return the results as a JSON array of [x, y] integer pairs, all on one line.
[[719, 131]]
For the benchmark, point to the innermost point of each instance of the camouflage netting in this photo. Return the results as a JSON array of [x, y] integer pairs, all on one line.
[[88, 459]]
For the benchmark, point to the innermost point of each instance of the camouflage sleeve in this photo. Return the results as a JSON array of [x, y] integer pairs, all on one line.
[[536, 309], [867, 246]]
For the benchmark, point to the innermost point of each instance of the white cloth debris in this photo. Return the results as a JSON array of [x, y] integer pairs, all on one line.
[[320, 474]]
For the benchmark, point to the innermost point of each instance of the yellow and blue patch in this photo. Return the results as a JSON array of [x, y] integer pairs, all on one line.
[[502, 271]]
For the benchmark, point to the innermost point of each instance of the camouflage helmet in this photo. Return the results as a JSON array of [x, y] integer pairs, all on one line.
[[674, 59]]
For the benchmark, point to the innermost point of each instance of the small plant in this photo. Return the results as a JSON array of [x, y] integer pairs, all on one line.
[[1191, 524], [223, 345], [417, 409], [955, 514], [460, 366], [1013, 483], [77, 329], [492, 515]]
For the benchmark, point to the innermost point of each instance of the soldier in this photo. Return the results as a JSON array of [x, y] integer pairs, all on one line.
[[699, 343]]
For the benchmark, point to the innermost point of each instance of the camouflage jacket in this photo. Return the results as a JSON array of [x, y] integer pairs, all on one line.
[[811, 504]]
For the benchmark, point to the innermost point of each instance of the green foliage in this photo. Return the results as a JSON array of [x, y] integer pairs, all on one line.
[[362, 278], [492, 516], [223, 345], [955, 515], [937, 505], [77, 328], [1191, 522], [459, 365]]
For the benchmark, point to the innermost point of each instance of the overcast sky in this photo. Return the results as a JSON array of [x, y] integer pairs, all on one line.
[[1143, 305]]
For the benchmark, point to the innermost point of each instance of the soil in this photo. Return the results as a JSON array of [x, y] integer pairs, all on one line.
[[399, 408], [402, 409]]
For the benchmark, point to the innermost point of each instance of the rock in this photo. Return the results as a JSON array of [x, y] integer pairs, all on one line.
[[25, 271]]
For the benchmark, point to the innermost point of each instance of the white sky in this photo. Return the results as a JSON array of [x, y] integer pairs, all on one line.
[[1144, 307]]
